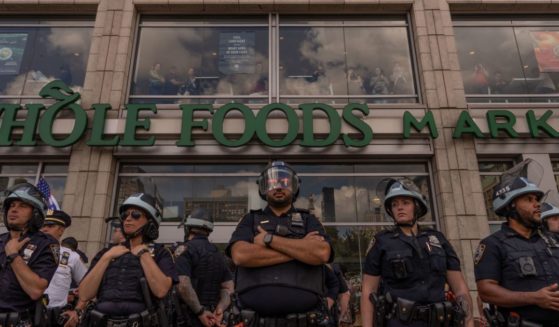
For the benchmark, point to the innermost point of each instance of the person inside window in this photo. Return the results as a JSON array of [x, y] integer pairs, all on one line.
[[156, 80]]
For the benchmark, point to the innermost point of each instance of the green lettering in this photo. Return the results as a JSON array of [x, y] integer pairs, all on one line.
[[9, 122], [98, 128], [308, 132], [219, 117], [188, 122], [292, 125], [132, 123], [358, 124], [507, 126], [466, 125], [427, 120], [535, 125], [47, 121]]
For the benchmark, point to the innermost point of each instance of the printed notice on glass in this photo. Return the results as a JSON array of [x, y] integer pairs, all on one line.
[[12, 47], [236, 53], [546, 49]]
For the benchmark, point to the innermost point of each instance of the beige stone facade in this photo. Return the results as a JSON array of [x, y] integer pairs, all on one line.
[[90, 188]]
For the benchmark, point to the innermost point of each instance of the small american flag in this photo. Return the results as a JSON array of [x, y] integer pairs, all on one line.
[[44, 187]]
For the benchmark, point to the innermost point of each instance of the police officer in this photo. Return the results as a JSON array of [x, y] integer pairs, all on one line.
[[332, 285], [28, 257], [128, 279], [517, 267], [279, 253], [205, 282], [550, 218], [71, 243], [70, 268], [412, 265]]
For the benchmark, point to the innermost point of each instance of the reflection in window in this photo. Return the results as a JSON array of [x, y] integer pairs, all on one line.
[[555, 165], [490, 173], [53, 173], [346, 58], [336, 194], [30, 57], [508, 60], [202, 64]]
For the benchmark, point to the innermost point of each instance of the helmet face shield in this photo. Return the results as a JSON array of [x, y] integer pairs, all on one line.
[[278, 178]]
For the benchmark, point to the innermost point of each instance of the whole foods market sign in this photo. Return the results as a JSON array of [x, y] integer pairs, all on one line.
[[39, 120]]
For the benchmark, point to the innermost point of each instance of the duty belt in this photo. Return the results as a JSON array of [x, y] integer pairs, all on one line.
[[309, 319], [142, 319], [13, 319]]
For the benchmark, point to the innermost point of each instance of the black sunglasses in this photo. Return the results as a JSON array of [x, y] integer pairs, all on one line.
[[134, 213]]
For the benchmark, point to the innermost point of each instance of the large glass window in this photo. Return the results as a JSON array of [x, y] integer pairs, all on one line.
[[54, 174], [490, 173], [508, 60], [555, 165], [356, 59], [262, 59], [34, 52]]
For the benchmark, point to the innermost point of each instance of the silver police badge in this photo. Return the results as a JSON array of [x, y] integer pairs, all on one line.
[[434, 241]]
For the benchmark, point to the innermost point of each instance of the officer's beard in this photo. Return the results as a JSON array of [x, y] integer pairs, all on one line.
[[530, 222], [279, 203]]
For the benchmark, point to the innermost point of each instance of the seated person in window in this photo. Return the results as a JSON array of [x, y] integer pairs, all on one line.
[[316, 75], [156, 80], [480, 79], [191, 85], [261, 84], [355, 82], [172, 82], [399, 81], [498, 83], [379, 82]]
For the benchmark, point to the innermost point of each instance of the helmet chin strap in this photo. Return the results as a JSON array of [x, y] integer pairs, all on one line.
[[132, 235], [14, 228]]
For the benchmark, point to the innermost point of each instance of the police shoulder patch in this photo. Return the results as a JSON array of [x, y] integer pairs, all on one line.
[[371, 244], [479, 253], [179, 250], [65, 257], [55, 251]]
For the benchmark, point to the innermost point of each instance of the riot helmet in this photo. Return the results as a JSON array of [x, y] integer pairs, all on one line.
[[548, 210], [278, 175], [152, 208], [31, 195], [391, 188], [519, 180], [199, 218]]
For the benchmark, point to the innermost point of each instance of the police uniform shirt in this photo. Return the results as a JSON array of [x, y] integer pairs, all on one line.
[[188, 263], [276, 300], [519, 264], [120, 291], [70, 268], [332, 283], [341, 279], [41, 256], [412, 269]]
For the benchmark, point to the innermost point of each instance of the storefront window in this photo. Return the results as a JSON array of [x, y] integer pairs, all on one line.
[[506, 60], [54, 174], [490, 172], [35, 52], [263, 59], [555, 165], [202, 61], [363, 60]]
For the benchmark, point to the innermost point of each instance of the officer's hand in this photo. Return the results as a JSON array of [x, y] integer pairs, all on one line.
[[72, 318], [259, 238], [314, 236], [218, 313], [116, 251], [138, 248], [548, 297], [14, 245], [329, 302], [207, 319]]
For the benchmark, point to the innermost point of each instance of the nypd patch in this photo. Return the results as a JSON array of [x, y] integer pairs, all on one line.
[[479, 253], [64, 259], [371, 244], [55, 250]]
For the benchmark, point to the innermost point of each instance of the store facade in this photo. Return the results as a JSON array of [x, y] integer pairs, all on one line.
[[189, 100]]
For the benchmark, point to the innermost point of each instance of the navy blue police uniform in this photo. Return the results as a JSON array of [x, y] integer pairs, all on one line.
[[202, 262], [41, 255], [283, 289], [120, 292], [412, 268], [522, 265]]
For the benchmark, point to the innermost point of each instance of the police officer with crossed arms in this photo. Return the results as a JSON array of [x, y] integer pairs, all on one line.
[[28, 257], [279, 253], [129, 278], [517, 267], [406, 269], [70, 268], [205, 282]]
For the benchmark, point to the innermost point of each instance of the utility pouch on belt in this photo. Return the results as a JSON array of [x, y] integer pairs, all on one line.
[[248, 317], [302, 319], [449, 312], [405, 309], [437, 317], [291, 320]]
